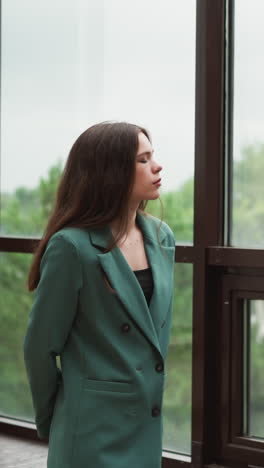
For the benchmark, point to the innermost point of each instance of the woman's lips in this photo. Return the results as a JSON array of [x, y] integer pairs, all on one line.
[[157, 182]]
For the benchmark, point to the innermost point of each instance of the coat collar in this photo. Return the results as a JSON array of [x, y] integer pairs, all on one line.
[[101, 236], [150, 318]]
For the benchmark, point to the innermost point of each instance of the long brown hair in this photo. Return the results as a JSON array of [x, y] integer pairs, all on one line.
[[96, 184]]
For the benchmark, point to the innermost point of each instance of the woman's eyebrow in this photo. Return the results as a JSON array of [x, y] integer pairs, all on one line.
[[145, 152]]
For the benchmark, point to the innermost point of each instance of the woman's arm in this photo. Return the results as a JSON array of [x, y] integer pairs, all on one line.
[[51, 318]]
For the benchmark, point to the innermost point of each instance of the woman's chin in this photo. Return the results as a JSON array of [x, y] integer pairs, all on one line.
[[153, 196]]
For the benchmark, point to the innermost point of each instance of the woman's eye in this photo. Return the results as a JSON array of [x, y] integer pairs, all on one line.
[[143, 160]]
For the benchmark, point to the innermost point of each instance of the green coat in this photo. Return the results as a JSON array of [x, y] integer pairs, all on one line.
[[103, 408]]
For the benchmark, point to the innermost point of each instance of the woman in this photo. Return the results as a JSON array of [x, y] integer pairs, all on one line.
[[103, 274]]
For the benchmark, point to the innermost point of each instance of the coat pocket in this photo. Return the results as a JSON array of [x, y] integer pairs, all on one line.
[[108, 416], [107, 386]]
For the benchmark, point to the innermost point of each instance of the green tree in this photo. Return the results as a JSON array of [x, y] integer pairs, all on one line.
[[248, 207], [24, 212]]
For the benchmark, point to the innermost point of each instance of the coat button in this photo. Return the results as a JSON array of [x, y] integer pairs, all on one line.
[[159, 367], [155, 411], [125, 327]]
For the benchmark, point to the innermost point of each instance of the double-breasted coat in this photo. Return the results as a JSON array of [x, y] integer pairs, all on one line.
[[102, 407]]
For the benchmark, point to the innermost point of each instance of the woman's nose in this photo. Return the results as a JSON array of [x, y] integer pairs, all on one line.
[[157, 167]]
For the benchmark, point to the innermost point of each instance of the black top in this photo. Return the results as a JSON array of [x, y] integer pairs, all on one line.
[[145, 280]]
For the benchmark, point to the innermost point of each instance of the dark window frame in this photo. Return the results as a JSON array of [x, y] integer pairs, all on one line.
[[235, 289]]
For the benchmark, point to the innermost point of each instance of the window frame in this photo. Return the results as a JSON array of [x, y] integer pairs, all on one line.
[[235, 289]]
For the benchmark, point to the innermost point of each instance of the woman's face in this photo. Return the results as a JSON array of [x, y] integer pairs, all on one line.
[[147, 172]]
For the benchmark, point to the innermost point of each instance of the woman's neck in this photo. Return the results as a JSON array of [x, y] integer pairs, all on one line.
[[132, 227]]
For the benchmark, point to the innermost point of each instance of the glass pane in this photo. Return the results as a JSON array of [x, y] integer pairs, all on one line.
[[253, 369], [65, 68], [15, 303], [248, 207], [178, 390]]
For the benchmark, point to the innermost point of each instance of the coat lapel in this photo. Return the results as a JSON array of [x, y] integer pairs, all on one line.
[[122, 278]]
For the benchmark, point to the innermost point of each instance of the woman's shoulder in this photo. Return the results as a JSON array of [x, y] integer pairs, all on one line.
[[70, 235]]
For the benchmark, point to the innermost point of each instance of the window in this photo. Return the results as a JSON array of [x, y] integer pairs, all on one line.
[[15, 303], [178, 390], [248, 142], [213, 401], [242, 348], [64, 68], [253, 327]]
